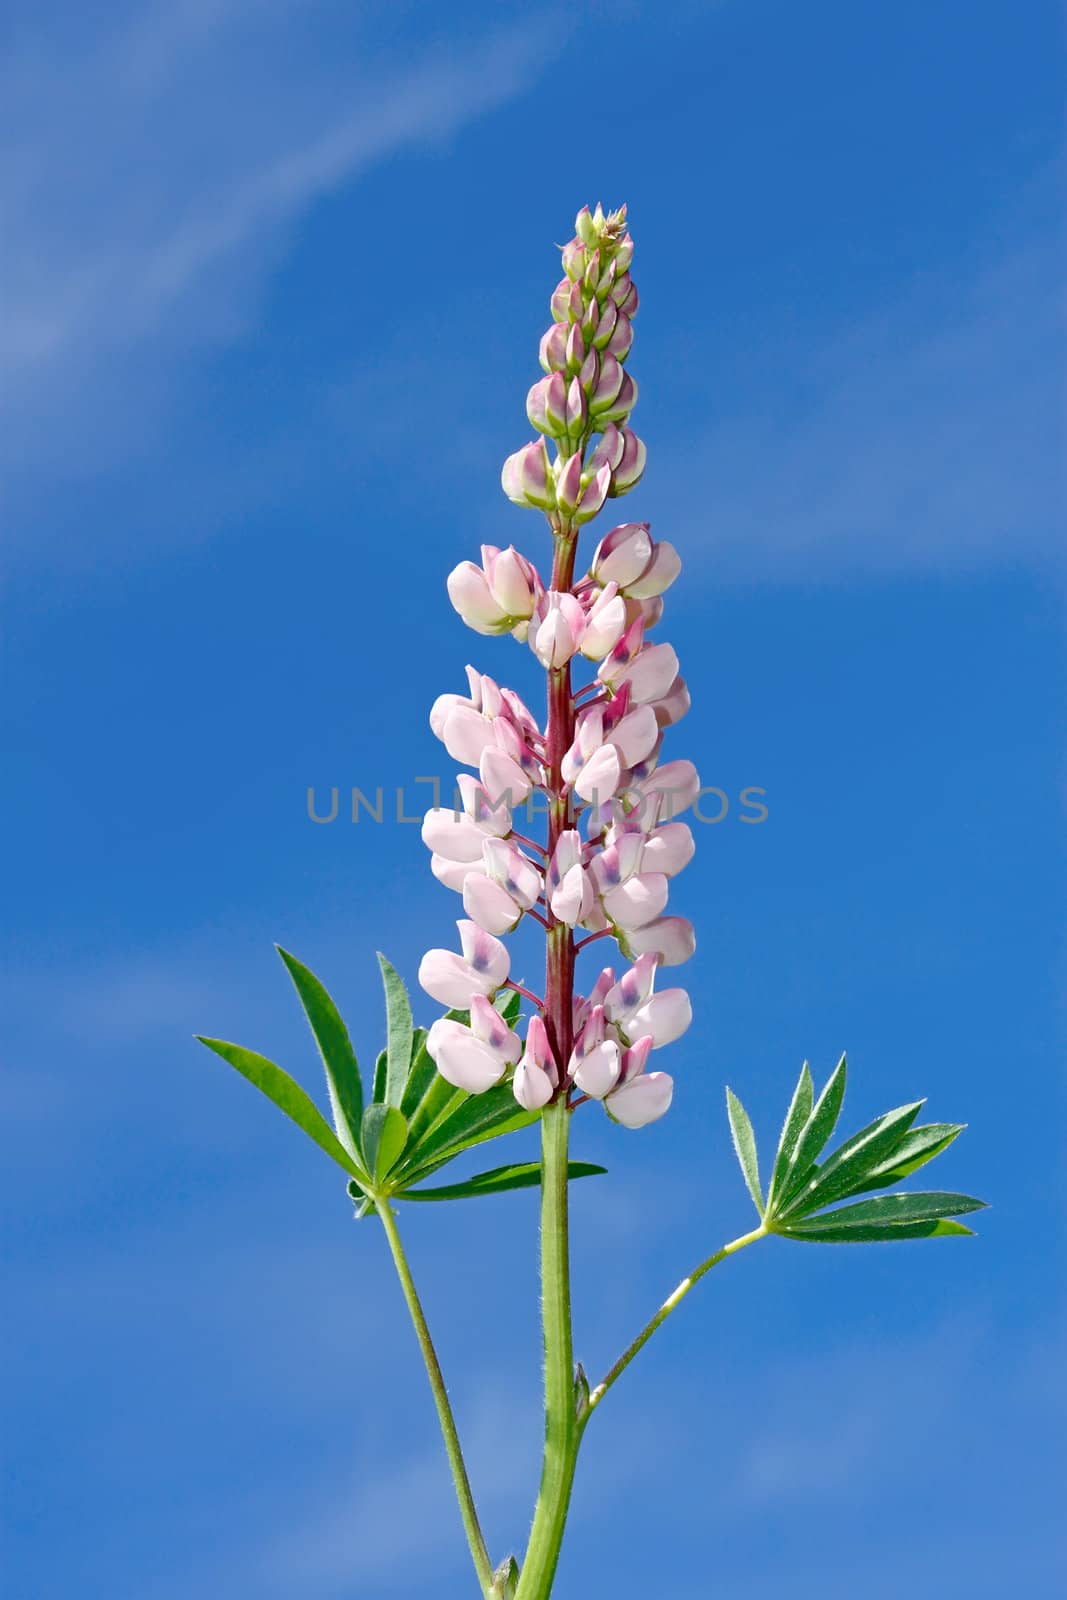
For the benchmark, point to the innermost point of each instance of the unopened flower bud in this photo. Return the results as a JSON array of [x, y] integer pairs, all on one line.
[[576, 351], [594, 494], [585, 228], [605, 324], [622, 338], [609, 452], [619, 409], [589, 372], [546, 405], [625, 253], [631, 466], [569, 484], [527, 477], [606, 392], [621, 288], [575, 256], [577, 408], [553, 348]]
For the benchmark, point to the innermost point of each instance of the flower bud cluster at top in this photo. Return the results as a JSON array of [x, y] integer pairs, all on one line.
[[614, 842]]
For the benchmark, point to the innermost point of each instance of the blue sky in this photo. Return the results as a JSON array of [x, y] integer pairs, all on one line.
[[273, 280]]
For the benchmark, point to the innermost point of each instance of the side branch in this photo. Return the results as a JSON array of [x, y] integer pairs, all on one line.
[[664, 1312]]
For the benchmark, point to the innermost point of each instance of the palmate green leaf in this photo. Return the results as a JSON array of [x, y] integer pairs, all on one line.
[[338, 1057], [852, 1162], [384, 1136], [523, 1176], [877, 1232], [509, 1003], [472, 1120], [918, 1146], [439, 1100], [814, 1134], [399, 1031], [420, 1074], [917, 1207], [745, 1146], [795, 1118], [288, 1097]]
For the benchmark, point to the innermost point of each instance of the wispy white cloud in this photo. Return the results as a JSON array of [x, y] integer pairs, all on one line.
[[923, 439], [152, 174]]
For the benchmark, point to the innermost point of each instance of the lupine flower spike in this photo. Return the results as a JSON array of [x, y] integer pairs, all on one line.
[[613, 843]]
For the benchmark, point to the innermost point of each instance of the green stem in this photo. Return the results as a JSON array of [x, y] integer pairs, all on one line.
[[467, 1510], [561, 1423], [664, 1312]]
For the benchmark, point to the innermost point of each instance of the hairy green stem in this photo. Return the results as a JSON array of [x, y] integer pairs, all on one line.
[[561, 1423], [664, 1312], [467, 1509]]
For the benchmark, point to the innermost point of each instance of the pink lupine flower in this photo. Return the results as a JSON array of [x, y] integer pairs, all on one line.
[[638, 1013], [556, 628], [635, 901], [488, 904], [455, 837], [650, 674], [571, 894], [504, 777], [490, 813], [672, 706], [467, 725], [617, 662], [498, 596], [660, 573], [635, 735], [674, 787], [596, 1060], [640, 1097], [604, 624], [526, 477], [670, 938], [668, 848], [622, 555], [600, 775], [507, 886], [473, 1058], [536, 1077], [454, 980], [641, 568]]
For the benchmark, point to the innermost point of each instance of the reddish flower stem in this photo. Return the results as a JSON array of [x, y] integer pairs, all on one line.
[[559, 965]]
